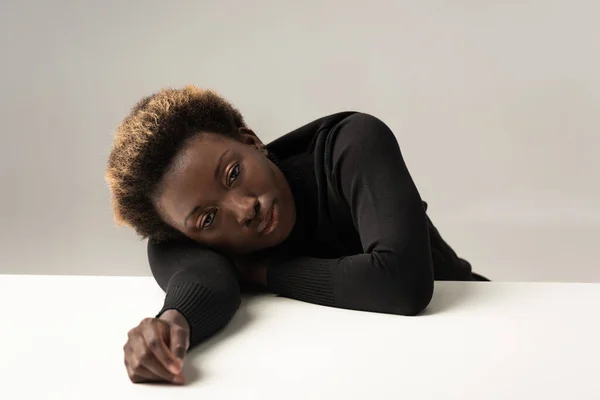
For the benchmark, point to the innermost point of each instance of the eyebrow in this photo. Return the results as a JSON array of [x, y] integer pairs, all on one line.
[[217, 169], [190, 215]]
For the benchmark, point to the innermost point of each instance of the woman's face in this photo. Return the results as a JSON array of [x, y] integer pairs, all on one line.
[[227, 194]]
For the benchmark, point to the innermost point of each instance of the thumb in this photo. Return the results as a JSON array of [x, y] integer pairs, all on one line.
[[179, 342]]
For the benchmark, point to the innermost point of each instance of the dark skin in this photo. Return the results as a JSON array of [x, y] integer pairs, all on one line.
[[155, 349], [224, 193], [219, 190]]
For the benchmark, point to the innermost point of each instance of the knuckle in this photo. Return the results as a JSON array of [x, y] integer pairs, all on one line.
[[154, 343], [130, 372], [143, 358], [177, 330], [181, 332], [162, 324], [134, 364], [180, 348], [129, 360]]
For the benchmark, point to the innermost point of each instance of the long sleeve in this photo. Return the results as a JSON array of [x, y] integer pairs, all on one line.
[[394, 274], [199, 283]]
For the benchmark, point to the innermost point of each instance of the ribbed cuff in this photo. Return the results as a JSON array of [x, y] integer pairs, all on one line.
[[204, 311], [306, 279]]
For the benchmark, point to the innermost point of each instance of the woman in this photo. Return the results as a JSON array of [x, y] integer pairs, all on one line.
[[327, 214]]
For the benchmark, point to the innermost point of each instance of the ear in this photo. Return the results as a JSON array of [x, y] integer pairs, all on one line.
[[247, 136]]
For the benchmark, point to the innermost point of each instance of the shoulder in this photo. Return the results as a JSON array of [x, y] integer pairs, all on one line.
[[353, 144], [340, 136], [304, 138], [360, 135]]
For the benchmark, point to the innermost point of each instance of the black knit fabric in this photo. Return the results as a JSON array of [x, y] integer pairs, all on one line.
[[362, 238]]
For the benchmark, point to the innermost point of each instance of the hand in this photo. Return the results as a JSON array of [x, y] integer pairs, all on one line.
[[156, 347]]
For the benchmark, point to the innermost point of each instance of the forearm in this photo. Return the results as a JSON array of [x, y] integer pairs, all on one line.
[[394, 272], [206, 307], [199, 283], [367, 282]]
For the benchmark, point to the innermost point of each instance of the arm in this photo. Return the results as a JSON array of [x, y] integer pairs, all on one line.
[[394, 274], [199, 283]]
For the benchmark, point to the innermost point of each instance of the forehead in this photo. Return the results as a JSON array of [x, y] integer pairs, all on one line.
[[201, 151], [190, 179]]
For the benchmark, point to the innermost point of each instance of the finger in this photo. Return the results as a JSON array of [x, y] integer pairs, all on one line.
[[179, 342], [141, 374], [142, 357], [156, 337]]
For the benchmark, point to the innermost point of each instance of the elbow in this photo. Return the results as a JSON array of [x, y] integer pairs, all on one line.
[[405, 294], [414, 303], [403, 300]]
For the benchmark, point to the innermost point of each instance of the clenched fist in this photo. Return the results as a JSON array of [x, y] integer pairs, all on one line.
[[155, 349]]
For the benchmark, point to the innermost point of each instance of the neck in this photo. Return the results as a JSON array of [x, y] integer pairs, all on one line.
[[300, 178]]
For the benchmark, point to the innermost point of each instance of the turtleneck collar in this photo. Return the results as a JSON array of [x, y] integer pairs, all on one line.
[[300, 174]]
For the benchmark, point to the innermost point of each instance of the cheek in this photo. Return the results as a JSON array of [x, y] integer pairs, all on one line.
[[258, 175], [269, 175]]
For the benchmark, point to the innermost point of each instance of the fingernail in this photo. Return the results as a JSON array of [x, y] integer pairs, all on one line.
[[179, 379], [176, 367]]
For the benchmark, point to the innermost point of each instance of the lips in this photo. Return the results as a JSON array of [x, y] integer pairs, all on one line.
[[270, 221]]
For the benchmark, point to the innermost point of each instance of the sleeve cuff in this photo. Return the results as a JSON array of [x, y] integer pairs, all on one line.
[[205, 311], [305, 279]]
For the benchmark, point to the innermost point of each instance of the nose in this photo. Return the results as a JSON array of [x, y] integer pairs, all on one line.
[[244, 208]]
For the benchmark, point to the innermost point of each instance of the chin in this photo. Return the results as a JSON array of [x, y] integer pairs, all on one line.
[[283, 232]]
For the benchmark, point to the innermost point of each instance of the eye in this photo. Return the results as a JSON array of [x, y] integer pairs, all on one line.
[[208, 220], [234, 173]]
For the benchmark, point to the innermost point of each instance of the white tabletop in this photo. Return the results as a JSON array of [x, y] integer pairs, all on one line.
[[62, 338]]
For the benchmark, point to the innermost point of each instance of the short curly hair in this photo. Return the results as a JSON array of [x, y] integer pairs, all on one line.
[[147, 141]]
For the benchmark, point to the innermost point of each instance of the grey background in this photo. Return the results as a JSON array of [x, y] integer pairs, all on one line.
[[496, 107]]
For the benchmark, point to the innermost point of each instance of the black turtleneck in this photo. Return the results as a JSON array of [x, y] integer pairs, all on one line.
[[362, 239]]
